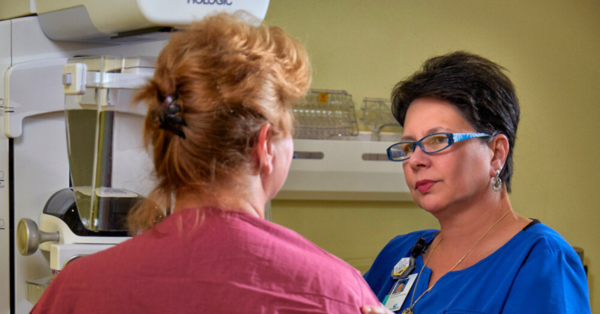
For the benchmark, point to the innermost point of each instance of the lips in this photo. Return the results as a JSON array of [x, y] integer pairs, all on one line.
[[424, 185]]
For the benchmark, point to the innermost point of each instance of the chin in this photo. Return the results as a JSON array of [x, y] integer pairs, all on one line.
[[430, 203]]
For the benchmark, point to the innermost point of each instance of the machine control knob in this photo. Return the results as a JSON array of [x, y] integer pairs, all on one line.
[[29, 237]]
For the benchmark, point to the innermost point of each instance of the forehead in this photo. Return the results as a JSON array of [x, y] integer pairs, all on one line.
[[426, 114]]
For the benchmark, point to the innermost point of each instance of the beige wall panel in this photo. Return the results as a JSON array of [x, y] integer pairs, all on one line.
[[14, 8]]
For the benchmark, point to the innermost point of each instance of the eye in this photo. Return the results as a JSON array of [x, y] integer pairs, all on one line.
[[435, 143], [438, 139]]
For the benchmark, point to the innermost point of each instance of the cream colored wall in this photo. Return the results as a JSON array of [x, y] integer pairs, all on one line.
[[552, 52]]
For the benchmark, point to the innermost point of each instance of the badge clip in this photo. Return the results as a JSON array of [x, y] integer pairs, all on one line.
[[403, 268]]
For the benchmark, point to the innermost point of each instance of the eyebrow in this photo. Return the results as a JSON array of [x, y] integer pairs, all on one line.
[[429, 132]]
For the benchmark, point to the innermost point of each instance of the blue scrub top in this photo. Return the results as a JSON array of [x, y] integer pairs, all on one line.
[[537, 271]]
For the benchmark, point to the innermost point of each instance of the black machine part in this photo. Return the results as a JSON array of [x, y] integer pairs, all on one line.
[[112, 212]]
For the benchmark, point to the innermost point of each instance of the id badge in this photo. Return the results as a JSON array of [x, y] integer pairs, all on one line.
[[403, 268], [400, 289]]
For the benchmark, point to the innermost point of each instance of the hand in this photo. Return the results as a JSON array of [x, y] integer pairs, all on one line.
[[375, 309]]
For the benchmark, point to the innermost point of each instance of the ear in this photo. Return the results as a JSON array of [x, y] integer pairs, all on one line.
[[263, 149], [499, 152]]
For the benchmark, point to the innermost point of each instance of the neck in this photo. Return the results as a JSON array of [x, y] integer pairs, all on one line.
[[248, 198], [461, 225]]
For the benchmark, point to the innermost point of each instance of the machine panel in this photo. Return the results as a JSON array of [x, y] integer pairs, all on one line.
[[5, 45], [40, 153]]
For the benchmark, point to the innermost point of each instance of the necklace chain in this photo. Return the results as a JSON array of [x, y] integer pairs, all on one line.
[[412, 305]]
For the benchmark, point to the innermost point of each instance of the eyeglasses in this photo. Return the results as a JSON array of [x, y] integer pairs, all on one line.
[[429, 144]]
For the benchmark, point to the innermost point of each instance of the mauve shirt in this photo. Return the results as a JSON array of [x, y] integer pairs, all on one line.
[[209, 261]]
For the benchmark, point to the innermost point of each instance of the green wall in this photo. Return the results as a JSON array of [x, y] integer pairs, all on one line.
[[551, 49]]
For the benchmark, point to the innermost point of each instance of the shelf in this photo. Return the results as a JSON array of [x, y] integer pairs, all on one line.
[[339, 171]]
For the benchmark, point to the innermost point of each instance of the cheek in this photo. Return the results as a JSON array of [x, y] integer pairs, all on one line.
[[470, 171], [409, 176], [408, 173], [289, 151], [286, 151]]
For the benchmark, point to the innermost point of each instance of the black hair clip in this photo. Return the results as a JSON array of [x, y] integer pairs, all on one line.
[[170, 117]]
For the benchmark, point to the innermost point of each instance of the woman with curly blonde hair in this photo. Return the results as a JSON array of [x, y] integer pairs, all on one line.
[[219, 123]]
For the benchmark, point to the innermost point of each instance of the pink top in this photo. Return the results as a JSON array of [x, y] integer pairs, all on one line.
[[209, 261]]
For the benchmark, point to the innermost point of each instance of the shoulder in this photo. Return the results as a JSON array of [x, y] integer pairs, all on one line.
[[544, 240], [241, 234], [304, 268], [539, 250], [550, 270], [289, 243], [548, 257]]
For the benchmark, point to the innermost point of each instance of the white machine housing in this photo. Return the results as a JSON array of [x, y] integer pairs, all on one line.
[[117, 20]]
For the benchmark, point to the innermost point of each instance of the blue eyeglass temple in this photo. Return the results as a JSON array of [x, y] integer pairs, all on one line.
[[457, 137], [452, 138]]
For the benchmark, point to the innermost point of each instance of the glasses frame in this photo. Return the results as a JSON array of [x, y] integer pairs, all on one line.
[[452, 138]]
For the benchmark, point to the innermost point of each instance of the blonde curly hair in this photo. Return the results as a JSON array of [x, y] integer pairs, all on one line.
[[229, 78]]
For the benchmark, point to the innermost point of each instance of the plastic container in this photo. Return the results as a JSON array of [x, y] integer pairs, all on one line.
[[377, 115], [325, 114]]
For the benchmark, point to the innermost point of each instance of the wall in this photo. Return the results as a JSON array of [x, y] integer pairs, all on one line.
[[551, 51]]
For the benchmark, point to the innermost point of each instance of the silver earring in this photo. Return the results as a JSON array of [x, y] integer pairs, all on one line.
[[496, 181]]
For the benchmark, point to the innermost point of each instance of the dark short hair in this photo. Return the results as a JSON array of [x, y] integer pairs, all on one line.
[[476, 86]]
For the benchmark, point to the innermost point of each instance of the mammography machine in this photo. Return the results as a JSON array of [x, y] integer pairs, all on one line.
[[71, 157]]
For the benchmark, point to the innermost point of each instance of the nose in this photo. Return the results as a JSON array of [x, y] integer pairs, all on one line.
[[419, 159]]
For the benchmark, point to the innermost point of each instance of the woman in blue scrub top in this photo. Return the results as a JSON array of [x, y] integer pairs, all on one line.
[[460, 115]]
